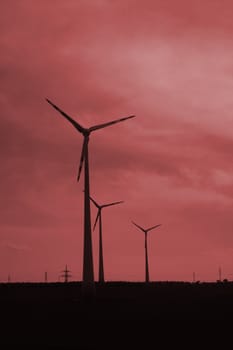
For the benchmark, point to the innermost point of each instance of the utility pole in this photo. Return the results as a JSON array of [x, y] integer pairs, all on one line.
[[194, 277], [220, 274]]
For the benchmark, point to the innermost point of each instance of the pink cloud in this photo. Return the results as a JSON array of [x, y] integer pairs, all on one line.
[[170, 64]]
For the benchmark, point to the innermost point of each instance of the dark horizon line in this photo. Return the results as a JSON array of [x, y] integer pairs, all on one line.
[[122, 282]]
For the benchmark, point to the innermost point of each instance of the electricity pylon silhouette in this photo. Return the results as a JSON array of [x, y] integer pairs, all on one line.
[[66, 274], [88, 285], [99, 218], [147, 278]]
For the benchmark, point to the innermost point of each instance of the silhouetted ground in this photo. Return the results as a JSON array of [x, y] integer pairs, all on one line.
[[122, 316]]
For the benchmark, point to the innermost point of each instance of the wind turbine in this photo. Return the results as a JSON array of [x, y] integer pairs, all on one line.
[[88, 285], [99, 218], [147, 279]]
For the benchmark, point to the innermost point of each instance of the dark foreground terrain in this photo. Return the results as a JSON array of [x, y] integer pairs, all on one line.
[[122, 316]]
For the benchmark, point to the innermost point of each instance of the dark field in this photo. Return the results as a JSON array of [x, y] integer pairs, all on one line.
[[122, 316]]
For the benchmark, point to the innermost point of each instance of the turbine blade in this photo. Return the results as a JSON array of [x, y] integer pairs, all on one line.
[[97, 205], [110, 204], [151, 228], [83, 153], [139, 226], [100, 126], [96, 220], [72, 121]]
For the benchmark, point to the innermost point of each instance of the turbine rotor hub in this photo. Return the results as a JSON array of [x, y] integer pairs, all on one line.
[[86, 132]]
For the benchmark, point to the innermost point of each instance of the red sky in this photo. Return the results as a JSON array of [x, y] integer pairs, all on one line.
[[168, 62]]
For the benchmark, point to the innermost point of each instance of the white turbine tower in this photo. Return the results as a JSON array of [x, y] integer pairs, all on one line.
[[147, 278], [88, 285]]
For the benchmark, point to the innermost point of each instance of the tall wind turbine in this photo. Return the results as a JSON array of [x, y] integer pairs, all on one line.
[[88, 285], [99, 218], [147, 279]]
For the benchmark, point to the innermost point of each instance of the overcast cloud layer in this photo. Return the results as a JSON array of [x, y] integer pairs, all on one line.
[[170, 64]]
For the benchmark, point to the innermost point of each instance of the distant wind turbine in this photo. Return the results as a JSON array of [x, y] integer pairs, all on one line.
[[88, 285], [147, 279], [99, 218]]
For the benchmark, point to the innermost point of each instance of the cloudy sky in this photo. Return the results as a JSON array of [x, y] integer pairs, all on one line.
[[168, 62]]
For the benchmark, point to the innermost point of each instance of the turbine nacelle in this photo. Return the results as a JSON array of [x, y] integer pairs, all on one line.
[[86, 132]]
